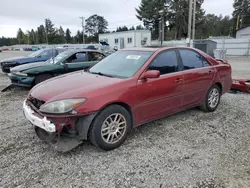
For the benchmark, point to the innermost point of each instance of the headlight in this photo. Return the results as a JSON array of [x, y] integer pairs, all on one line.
[[10, 63], [20, 74], [62, 106]]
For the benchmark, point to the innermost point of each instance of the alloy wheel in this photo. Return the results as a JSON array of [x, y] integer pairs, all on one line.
[[213, 98], [113, 128]]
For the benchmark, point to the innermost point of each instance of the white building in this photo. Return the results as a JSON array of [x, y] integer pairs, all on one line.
[[243, 33], [127, 39]]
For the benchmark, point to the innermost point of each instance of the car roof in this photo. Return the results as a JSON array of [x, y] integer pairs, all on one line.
[[140, 49], [81, 50], [156, 48]]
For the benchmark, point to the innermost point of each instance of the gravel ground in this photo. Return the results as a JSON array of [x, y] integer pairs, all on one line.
[[189, 149]]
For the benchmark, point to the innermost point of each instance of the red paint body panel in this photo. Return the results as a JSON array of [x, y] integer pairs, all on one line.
[[242, 85], [196, 83], [156, 97], [148, 99]]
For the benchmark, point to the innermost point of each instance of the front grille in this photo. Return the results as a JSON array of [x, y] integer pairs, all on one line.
[[37, 103]]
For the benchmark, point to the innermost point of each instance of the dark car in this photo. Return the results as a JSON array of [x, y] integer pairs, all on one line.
[[68, 61], [38, 56], [126, 89]]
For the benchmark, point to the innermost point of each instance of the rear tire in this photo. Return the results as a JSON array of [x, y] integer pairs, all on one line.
[[42, 77], [110, 128], [212, 99]]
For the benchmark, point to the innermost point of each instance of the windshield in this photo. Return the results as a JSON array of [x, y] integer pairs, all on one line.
[[123, 64], [36, 53], [60, 57]]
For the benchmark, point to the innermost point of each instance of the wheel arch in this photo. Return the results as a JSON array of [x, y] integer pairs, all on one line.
[[124, 105], [220, 86], [41, 73], [84, 123]]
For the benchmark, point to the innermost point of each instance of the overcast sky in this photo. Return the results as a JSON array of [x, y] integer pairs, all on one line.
[[29, 14]]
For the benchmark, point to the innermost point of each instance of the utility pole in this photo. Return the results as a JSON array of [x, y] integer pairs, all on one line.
[[162, 22], [83, 29], [162, 28], [190, 19], [194, 14], [237, 25], [46, 32]]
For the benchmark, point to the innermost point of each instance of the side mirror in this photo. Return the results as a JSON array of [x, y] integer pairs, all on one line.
[[115, 48], [65, 64], [151, 74]]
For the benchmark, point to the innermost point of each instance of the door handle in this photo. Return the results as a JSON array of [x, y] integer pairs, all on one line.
[[209, 72], [178, 80]]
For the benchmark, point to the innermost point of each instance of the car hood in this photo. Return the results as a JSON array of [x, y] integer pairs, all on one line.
[[21, 68], [74, 85], [12, 59], [23, 60]]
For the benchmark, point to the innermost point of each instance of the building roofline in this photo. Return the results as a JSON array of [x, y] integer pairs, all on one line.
[[243, 28], [130, 31]]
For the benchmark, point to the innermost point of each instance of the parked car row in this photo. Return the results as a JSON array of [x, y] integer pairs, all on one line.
[[38, 56], [118, 92], [31, 74]]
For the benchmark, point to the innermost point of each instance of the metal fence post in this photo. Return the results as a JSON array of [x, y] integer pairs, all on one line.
[[248, 49]]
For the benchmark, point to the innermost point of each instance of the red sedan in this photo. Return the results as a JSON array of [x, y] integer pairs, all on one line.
[[126, 89]]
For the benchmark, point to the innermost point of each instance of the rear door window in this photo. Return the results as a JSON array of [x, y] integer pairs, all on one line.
[[192, 59], [95, 56], [78, 57]]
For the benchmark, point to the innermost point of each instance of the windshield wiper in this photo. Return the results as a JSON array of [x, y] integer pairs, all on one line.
[[101, 74]]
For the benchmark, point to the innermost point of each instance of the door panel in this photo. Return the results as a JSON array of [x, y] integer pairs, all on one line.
[[198, 76], [80, 65], [160, 96], [196, 84]]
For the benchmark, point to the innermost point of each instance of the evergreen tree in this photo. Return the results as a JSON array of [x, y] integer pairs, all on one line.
[[41, 34], [68, 36], [132, 28], [242, 10], [61, 35], [21, 37], [50, 31], [139, 27], [148, 13], [123, 28]]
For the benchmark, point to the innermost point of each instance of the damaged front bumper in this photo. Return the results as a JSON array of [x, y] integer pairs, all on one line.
[[63, 133], [42, 123]]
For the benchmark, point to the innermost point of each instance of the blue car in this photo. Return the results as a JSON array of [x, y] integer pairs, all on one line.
[[38, 56]]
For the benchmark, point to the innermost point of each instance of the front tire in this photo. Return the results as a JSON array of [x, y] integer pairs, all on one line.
[[212, 99], [42, 77], [110, 128]]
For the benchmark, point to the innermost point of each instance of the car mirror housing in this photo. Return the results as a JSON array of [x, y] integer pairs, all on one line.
[[150, 74]]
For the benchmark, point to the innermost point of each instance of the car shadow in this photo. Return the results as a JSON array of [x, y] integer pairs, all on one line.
[[13, 90]]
